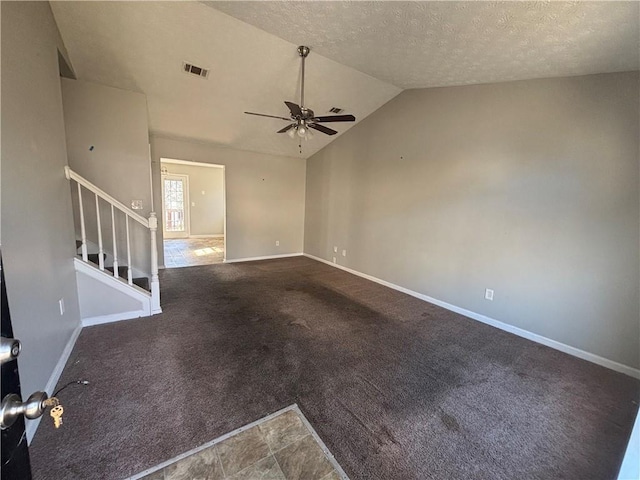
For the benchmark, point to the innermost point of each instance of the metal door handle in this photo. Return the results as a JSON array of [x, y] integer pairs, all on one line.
[[9, 349], [13, 406]]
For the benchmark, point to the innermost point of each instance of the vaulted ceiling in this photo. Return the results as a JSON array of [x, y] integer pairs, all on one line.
[[363, 54]]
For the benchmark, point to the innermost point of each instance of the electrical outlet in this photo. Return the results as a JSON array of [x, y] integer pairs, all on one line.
[[335, 249], [344, 253], [335, 260], [277, 243], [61, 305], [488, 294]]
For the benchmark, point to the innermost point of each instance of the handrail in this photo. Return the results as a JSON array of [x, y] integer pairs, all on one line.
[[71, 175]]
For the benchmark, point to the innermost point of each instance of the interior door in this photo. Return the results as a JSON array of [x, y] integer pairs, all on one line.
[[15, 454], [175, 206]]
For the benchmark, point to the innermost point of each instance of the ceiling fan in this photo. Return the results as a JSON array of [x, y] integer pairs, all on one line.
[[302, 118]]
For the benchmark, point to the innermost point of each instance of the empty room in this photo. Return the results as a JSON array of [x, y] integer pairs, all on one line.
[[320, 240]]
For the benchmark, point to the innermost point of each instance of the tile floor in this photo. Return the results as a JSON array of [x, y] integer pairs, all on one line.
[[282, 446], [188, 252]]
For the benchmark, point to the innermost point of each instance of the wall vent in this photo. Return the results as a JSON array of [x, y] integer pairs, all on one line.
[[336, 110], [195, 70]]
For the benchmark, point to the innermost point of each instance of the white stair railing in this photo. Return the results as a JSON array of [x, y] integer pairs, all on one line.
[[153, 230], [151, 224], [83, 233], [100, 247]]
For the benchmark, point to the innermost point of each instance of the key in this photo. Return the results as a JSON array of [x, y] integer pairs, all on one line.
[[56, 414]]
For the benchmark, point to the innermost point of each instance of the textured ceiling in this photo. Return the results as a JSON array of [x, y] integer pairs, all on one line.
[[428, 44], [140, 46], [363, 53]]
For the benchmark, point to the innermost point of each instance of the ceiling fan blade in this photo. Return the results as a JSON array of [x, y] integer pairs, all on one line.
[[335, 118], [322, 128], [294, 109], [287, 128], [270, 116]]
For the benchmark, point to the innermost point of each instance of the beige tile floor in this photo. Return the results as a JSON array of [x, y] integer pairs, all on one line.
[[282, 446], [187, 252]]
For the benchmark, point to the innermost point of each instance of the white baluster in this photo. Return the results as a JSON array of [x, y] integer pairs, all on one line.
[[83, 233], [129, 271], [155, 281], [115, 246], [100, 249]]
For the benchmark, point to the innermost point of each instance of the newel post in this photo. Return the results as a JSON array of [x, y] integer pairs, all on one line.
[[155, 281]]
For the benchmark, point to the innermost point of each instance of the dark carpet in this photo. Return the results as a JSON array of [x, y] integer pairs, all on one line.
[[397, 388]]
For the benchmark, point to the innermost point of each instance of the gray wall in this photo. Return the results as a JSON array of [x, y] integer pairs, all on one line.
[[37, 226], [114, 123], [529, 188], [265, 195], [206, 217]]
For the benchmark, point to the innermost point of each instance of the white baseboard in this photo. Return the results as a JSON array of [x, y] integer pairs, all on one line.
[[114, 317], [267, 257], [32, 425], [576, 352], [217, 235]]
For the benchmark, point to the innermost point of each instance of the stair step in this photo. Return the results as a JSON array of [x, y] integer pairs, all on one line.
[[123, 271], [142, 282], [94, 257]]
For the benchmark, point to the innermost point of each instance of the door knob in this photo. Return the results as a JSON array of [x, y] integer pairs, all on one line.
[[9, 349], [13, 406]]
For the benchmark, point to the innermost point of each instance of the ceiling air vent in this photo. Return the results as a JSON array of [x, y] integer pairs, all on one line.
[[194, 70], [336, 110]]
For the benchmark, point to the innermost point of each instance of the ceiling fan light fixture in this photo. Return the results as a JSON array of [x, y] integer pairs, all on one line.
[[292, 132], [302, 130]]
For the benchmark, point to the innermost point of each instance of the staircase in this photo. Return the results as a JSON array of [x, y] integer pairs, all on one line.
[[113, 287], [123, 270]]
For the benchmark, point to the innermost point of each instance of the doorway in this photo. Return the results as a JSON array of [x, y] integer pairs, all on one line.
[[194, 213]]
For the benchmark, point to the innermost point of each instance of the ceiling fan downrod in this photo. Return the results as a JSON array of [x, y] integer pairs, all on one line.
[[303, 52]]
